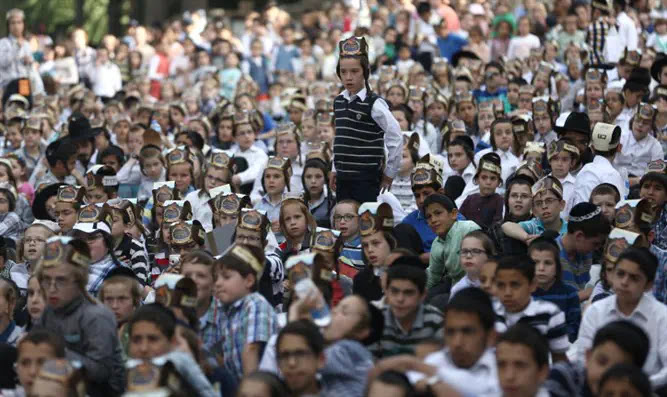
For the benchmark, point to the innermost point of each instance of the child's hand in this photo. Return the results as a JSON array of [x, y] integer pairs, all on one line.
[[332, 181], [275, 226], [385, 184], [531, 237]]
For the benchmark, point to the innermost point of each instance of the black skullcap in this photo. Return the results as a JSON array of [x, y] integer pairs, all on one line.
[[410, 260], [441, 199], [583, 211], [454, 186]]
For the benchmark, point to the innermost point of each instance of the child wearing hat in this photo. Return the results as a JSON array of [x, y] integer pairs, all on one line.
[[364, 127], [640, 147], [653, 187], [485, 207], [542, 121], [562, 156], [606, 139]]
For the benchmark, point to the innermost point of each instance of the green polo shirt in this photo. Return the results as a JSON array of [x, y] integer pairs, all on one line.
[[444, 258]]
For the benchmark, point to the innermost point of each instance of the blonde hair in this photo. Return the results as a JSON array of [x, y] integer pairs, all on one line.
[[310, 220]]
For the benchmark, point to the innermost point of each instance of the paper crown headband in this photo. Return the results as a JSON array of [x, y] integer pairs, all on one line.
[[186, 232], [229, 203], [176, 210], [324, 240], [530, 168], [557, 147], [618, 241], [175, 290], [93, 213], [540, 105], [71, 194], [125, 205], [255, 220], [60, 250], [375, 217], [245, 255], [354, 46], [165, 191], [548, 183], [221, 159], [101, 176], [178, 155], [633, 215]]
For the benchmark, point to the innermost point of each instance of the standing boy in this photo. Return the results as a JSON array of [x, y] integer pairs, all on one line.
[[361, 169]]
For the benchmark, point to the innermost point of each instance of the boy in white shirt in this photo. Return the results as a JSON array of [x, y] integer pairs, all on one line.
[[562, 156]]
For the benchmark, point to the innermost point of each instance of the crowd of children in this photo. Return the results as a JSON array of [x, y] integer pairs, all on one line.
[[381, 198]]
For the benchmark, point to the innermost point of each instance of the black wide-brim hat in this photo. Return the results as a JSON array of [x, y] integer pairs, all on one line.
[[656, 67], [39, 204], [461, 55], [573, 121]]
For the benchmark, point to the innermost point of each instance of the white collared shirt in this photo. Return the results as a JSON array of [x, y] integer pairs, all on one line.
[[508, 164], [295, 184], [256, 159], [636, 155], [479, 380], [650, 315], [568, 194], [594, 173], [106, 78], [201, 211], [393, 138]]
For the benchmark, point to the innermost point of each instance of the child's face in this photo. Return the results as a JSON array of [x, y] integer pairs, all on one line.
[[4, 203], [326, 133], [641, 128], [298, 363], [654, 192], [594, 92], [488, 182], [404, 53], [59, 285], [245, 136], [31, 356], [406, 161], [180, 174], [607, 202], [376, 248], [66, 216], [215, 177], [153, 167], [346, 220], [502, 135], [561, 163], [135, 141], [513, 94], [225, 131], [96, 196], [545, 267], [402, 120], [542, 123], [404, 298], [600, 359], [547, 206], [274, 181], [17, 170], [632, 98], [485, 119], [32, 137], [111, 161], [14, 136], [585, 245], [118, 298], [457, 158], [4, 173], [118, 226], [395, 96], [202, 275], [487, 276], [294, 221], [518, 372], [308, 129], [352, 74], [121, 129], [147, 341], [436, 112], [472, 256], [467, 112], [34, 242], [287, 146], [465, 337], [439, 219], [36, 302], [230, 286], [295, 115], [421, 193], [630, 282], [314, 178], [520, 200], [513, 289]]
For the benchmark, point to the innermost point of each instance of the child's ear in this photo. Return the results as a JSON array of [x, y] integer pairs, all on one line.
[[249, 281], [562, 205]]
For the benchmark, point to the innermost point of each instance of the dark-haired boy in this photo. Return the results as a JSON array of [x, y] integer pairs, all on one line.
[[653, 187], [408, 320], [616, 342], [249, 318], [633, 278], [33, 349], [300, 355], [587, 230], [61, 161], [515, 282], [522, 357]]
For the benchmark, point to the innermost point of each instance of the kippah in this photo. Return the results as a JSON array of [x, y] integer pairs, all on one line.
[[454, 187], [583, 211]]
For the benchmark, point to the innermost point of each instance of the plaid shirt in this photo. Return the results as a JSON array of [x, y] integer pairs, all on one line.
[[210, 325], [249, 320], [11, 226]]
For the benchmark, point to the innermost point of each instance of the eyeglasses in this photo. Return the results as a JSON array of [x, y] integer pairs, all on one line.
[[346, 217], [57, 282], [471, 252], [297, 355], [29, 240], [547, 201]]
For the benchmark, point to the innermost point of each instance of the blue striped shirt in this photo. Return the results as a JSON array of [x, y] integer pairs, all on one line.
[[352, 253], [567, 300], [575, 273]]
